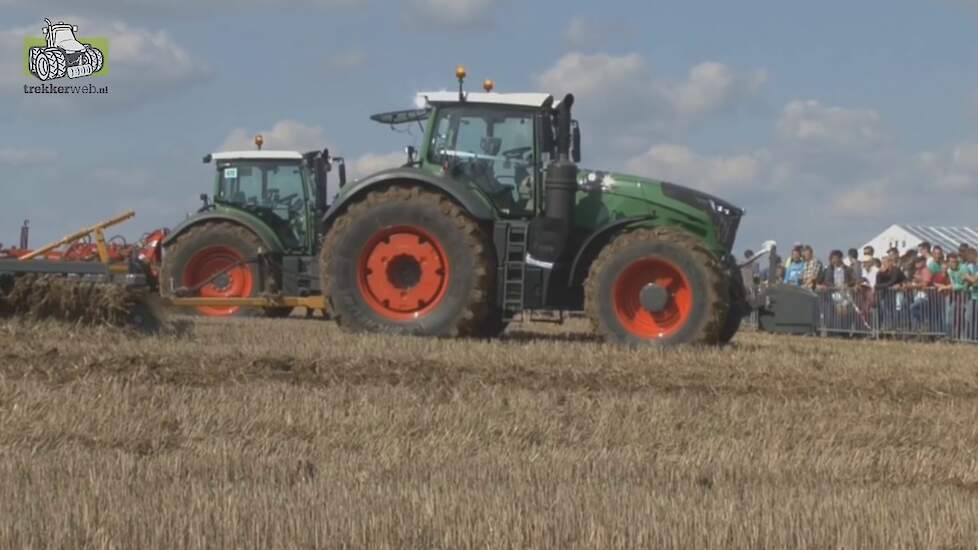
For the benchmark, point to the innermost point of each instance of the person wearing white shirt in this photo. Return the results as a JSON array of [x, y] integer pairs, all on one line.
[[869, 270]]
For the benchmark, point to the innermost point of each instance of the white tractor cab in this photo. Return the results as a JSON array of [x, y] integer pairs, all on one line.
[[64, 54]]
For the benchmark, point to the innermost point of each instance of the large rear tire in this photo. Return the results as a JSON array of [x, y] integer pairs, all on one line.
[[694, 306], [408, 261], [210, 248]]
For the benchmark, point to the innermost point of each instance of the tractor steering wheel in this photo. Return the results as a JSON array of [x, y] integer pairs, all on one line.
[[286, 200], [516, 152]]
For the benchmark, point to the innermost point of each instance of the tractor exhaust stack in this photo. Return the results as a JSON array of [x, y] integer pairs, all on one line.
[[549, 234]]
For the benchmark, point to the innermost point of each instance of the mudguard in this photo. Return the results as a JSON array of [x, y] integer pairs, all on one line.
[[471, 200], [595, 241], [252, 223]]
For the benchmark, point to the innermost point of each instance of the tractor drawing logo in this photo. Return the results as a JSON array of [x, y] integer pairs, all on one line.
[[63, 54]]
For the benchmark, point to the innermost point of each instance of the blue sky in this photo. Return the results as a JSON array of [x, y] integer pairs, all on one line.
[[827, 121]]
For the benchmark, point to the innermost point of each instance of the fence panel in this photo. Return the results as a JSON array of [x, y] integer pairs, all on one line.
[[846, 312]]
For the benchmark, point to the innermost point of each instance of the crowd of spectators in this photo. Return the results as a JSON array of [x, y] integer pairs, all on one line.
[[937, 287]]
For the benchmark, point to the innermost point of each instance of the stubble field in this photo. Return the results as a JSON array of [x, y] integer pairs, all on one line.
[[293, 434]]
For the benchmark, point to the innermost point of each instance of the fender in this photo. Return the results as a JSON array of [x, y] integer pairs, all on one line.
[[249, 221], [472, 201], [598, 239]]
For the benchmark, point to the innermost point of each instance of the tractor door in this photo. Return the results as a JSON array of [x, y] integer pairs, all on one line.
[[491, 148], [276, 191]]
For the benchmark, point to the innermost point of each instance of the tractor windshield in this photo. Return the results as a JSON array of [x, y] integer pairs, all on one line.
[[275, 190], [490, 147], [63, 37]]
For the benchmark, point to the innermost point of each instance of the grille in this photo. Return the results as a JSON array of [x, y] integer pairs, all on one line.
[[726, 226]]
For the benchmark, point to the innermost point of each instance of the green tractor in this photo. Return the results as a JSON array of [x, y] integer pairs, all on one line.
[[491, 218]]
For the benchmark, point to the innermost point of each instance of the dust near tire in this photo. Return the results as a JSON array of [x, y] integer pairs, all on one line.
[[465, 306], [179, 254], [705, 274]]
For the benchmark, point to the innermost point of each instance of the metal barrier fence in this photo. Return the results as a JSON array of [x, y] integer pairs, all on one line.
[[894, 313]]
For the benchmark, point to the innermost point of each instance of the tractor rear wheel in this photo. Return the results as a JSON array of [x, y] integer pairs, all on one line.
[[210, 249], [657, 287], [408, 261]]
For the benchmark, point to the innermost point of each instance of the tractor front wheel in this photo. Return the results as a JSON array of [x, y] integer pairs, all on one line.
[[95, 58], [57, 63], [216, 260], [408, 261], [657, 287]]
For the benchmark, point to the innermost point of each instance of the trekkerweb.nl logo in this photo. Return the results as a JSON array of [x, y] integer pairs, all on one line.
[[60, 53]]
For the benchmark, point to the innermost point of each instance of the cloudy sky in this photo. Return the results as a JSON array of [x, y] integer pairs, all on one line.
[[826, 120]]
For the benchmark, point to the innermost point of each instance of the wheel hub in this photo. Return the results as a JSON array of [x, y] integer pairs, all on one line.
[[403, 273], [653, 298]]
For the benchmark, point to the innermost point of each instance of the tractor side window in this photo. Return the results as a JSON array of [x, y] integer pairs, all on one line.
[[490, 147], [274, 191]]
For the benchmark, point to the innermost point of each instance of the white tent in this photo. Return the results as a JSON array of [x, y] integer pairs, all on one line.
[[906, 237]]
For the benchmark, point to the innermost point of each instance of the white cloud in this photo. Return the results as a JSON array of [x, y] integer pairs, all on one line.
[[286, 134], [810, 123], [16, 158], [142, 63], [681, 164], [712, 86], [621, 97], [459, 13], [953, 169], [582, 33], [591, 76], [375, 162]]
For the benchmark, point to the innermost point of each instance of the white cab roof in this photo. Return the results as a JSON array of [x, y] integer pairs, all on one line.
[[524, 100], [257, 155]]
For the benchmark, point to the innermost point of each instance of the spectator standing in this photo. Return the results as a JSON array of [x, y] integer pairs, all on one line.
[[937, 259], [920, 308], [869, 251], [813, 268], [956, 290], [890, 298], [795, 268], [869, 270], [836, 276], [971, 261], [855, 265]]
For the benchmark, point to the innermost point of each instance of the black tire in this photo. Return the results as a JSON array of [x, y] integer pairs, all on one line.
[[462, 307], [705, 291], [95, 58], [494, 325], [204, 239], [42, 67], [730, 327], [57, 63]]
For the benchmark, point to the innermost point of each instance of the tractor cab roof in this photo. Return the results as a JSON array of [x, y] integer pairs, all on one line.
[[536, 100], [254, 155]]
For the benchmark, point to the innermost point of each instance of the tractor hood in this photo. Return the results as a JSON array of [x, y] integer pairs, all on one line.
[[724, 216]]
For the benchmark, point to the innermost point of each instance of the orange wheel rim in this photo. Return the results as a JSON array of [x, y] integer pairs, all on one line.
[[628, 307], [403, 273], [236, 282]]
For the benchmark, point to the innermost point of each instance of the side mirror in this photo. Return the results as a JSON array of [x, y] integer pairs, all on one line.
[[576, 142], [342, 170]]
